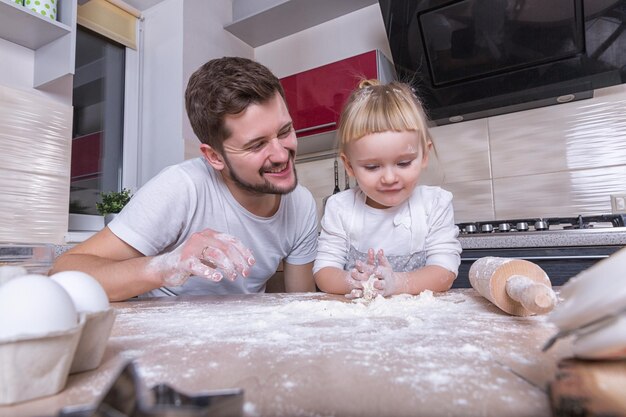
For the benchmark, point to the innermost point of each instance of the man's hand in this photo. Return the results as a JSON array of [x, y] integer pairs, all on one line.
[[208, 254]]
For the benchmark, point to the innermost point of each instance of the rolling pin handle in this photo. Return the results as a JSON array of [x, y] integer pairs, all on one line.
[[535, 297]]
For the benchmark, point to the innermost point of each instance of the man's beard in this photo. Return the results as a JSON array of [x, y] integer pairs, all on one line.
[[267, 187]]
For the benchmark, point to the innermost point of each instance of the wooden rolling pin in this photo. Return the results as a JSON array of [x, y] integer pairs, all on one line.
[[518, 287]]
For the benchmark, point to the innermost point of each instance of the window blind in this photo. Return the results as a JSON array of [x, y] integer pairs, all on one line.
[[111, 18]]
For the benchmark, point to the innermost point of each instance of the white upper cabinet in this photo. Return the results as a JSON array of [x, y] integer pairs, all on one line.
[[52, 40], [257, 22]]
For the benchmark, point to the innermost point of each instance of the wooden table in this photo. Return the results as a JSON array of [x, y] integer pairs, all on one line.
[[317, 354]]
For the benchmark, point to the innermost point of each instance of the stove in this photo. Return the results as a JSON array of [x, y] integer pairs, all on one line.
[[543, 224], [561, 246]]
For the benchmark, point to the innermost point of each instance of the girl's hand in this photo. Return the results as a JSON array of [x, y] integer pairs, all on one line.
[[389, 282], [360, 274], [356, 277]]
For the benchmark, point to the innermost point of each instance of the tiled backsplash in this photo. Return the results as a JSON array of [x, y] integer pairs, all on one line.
[[561, 160]]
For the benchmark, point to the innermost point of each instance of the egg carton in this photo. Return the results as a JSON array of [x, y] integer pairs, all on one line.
[[93, 340], [34, 367]]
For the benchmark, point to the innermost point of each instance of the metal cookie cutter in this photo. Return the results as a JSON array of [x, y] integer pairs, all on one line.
[[585, 328], [127, 398]]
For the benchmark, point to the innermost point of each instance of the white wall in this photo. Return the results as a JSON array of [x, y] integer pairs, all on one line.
[[204, 39], [160, 143], [19, 74], [17, 71]]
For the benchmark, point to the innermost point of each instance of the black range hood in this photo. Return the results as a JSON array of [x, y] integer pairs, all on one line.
[[469, 59]]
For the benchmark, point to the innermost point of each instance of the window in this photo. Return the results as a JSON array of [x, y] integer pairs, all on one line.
[[98, 99]]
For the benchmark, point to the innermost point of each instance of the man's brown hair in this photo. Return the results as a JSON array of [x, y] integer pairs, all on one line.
[[226, 86]]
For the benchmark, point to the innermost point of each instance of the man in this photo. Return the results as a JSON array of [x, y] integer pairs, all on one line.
[[234, 213]]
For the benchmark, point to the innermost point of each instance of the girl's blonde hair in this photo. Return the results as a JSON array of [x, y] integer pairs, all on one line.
[[375, 108]]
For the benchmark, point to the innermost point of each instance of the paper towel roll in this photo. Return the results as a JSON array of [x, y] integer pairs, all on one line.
[[35, 157]]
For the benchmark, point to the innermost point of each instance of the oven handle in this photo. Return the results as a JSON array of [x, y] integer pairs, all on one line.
[[547, 258]]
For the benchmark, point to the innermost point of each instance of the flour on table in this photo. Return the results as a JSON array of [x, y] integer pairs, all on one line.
[[404, 344]]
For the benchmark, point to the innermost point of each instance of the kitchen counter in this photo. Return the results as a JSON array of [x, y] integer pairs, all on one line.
[[317, 354], [614, 236]]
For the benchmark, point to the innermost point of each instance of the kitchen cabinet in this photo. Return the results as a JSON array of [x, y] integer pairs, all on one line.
[[53, 41], [315, 97], [257, 22]]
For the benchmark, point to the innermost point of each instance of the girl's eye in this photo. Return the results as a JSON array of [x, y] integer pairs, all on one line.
[[404, 164], [370, 167]]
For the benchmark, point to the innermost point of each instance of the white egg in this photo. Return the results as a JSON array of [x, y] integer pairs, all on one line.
[[8, 272], [85, 290], [34, 305]]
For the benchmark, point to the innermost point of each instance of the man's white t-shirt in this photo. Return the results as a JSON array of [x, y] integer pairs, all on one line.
[[189, 197]]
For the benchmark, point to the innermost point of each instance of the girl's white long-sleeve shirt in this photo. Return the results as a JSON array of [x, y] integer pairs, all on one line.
[[419, 232]]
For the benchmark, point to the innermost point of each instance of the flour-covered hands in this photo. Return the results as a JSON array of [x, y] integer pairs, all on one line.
[[355, 279], [389, 282], [362, 274], [208, 254]]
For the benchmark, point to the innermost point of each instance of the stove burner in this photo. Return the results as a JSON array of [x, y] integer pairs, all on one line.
[[470, 228], [486, 228], [521, 226], [544, 224]]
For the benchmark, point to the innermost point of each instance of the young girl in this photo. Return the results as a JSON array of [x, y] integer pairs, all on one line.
[[389, 235]]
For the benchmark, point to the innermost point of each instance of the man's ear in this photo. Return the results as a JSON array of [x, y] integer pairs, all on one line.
[[213, 157], [346, 164]]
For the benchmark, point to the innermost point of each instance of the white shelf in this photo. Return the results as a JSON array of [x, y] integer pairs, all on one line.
[[54, 41], [286, 17], [26, 28]]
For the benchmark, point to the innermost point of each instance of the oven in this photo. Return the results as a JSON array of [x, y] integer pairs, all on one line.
[[562, 247]]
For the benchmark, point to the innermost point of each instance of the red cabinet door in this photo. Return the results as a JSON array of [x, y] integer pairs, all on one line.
[[315, 97]]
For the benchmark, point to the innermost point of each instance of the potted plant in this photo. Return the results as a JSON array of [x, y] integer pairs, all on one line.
[[112, 203]]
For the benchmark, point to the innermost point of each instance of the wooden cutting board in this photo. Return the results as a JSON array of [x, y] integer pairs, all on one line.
[[589, 388]]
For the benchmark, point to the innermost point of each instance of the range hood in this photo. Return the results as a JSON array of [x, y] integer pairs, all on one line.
[[474, 58]]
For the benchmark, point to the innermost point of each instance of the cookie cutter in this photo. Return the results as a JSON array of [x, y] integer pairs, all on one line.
[[126, 397], [585, 328]]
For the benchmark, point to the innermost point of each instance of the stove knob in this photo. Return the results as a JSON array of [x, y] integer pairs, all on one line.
[[521, 227], [504, 227], [541, 225], [470, 228], [486, 228]]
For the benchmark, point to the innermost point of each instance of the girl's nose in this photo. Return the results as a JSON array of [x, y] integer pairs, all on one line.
[[389, 176]]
